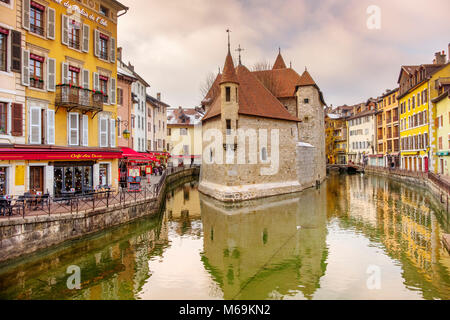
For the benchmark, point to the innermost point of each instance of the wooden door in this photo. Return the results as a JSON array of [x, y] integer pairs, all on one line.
[[37, 179]]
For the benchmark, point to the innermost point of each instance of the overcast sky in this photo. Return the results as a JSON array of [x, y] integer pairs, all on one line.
[[174, 44]]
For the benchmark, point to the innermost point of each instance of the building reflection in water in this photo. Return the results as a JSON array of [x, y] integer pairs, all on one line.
[[314, 244], [266, 249]]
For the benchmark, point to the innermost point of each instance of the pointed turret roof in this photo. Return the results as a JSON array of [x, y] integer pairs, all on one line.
[[279, 62], [229, 73], [254, 99], [306, 79]]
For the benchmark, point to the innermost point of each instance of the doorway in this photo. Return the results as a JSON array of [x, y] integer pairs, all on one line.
[[37, 180]]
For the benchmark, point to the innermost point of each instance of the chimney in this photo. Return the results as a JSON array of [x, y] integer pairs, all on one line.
[[119, 53], [158, 96], [131, 67], [439, 58]]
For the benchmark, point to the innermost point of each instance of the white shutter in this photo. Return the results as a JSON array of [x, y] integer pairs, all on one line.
[[112, 57], [26, 67], [26, 14], [51, 74], [112, 91], [112, 129], [85, 78], [96, 81], [65, 30], [35, 125], [64, 73], [85, 130], [74, 123], [96, 43], [86, 32], [50, 126], [103, 132], [51, 15]]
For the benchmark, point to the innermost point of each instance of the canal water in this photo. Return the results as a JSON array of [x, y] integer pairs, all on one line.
[[357, 237]]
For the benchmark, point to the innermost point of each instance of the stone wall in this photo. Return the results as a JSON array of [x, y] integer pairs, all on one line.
[[306, 172], [20, 236], [238, 180], [312, 128]]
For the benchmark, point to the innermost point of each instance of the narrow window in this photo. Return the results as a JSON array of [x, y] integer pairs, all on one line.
[[264, 154], [3, 49], [227, 94], [306, 100], [228, 127]]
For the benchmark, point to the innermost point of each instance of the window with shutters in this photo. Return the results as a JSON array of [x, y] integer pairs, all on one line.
[[119, 96], [103, 132], [3, 118], [3, 49], [74, 34], [85, 132], [74, 75], [17, 120], [16, 51], [103, 47], [104, 88], [35, 125], [36, 71], [74, 129], [37, 18], [50, 126]]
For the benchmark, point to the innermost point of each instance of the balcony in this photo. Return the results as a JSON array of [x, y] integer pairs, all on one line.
[[72, 97]]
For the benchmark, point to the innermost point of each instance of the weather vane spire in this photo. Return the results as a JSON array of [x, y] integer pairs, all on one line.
[[228, 31], [239, 49]]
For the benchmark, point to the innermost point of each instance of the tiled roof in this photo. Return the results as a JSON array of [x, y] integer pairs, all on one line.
[[229, 73], [279, 63], [306, 80], [254, 99], [156, 102], [281, 82], [186, 116]]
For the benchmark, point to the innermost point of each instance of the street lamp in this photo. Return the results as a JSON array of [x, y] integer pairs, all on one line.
[[126, 133]]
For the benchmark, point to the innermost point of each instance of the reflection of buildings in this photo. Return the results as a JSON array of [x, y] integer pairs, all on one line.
[[183, 204], [404, 221], [266, 248], [113, 266]]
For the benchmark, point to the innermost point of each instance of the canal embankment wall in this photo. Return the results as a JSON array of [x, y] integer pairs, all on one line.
[[20, 236]]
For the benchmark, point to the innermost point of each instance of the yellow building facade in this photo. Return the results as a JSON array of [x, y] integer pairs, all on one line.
[[69, 71], [442, 127], [416, 114]]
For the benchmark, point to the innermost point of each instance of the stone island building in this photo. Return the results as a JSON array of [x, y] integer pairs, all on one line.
[[263, 133]]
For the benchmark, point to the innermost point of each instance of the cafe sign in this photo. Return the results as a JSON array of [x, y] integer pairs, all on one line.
[[81, 11]]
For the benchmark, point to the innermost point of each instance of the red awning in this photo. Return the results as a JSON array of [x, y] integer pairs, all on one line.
[[55, 154], [130, 154]]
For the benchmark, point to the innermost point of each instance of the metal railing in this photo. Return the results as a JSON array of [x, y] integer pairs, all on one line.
[[34, 205], [72, 96]]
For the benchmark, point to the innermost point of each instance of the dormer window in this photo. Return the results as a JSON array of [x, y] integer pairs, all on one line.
[[104, 11], [227, 94]]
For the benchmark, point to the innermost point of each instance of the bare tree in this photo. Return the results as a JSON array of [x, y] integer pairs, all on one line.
[[207, 84], [268, 79], [261, 66]]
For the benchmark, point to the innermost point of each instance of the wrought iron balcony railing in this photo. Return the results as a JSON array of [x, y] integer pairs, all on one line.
[[73, 97]]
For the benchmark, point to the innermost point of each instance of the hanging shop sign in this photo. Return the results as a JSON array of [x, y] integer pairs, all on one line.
[[81, 11]]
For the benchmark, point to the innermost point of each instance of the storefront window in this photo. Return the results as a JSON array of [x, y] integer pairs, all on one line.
[[103, 175], [73, 178], [3, 181]]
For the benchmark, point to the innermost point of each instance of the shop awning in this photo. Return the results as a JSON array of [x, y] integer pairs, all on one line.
[[130, 154], [56, 154]]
